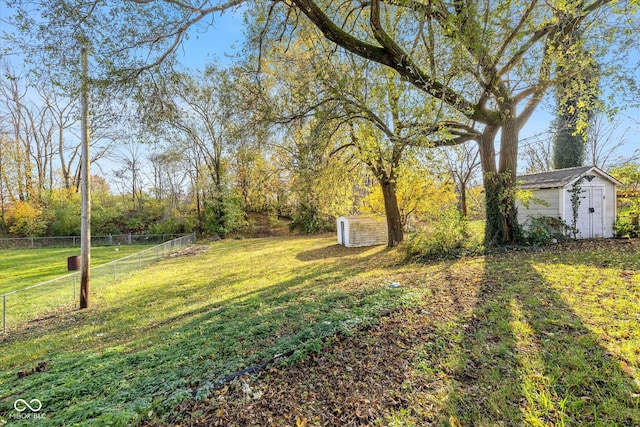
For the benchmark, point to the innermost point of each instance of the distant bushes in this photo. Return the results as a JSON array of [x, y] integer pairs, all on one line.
[[59, 214], [307, 219], [26, 219]]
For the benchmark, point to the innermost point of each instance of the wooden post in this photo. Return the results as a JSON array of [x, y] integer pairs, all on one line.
[[85, 232]]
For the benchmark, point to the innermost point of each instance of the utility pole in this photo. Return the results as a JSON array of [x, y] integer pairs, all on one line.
[[85, 230]]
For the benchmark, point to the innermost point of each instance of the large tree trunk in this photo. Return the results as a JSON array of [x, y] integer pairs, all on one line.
[[502, 226], [394, 225]]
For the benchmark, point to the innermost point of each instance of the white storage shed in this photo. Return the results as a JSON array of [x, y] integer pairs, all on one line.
[[356, 231], [597, 192]]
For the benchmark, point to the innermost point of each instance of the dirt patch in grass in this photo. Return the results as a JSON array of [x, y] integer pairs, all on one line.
[[190, 251], [263, 226]]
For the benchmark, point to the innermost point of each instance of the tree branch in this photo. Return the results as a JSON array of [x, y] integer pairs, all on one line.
[[391, 56]]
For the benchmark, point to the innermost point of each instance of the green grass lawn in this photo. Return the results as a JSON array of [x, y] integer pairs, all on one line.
[[522, 338], [20, 268]]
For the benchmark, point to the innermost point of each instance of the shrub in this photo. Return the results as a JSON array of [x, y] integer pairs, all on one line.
[[174, 224], [628, 221], [66, 221], [224, 214], [106, 219], [445, 239], [308, 219], [26, 220], [545, 230], [625, 227]]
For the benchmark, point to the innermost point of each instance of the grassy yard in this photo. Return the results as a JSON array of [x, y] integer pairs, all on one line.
[[20, 268], [538, 338]]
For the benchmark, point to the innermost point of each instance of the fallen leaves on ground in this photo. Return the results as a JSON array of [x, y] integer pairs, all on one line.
[[354, 381], [374, 377]]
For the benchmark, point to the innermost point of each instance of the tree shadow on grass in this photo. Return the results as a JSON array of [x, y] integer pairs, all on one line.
[[331, 252], [197, 343], [526, 357], [310, 277]]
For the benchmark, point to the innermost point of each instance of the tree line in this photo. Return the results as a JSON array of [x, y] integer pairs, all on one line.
[[210, 150]]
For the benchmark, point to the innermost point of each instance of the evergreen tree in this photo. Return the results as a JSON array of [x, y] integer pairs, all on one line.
[[576, 98], [568, 147]]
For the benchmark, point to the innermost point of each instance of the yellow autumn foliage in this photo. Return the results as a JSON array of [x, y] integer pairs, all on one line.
[[421, 196], [26, 219]]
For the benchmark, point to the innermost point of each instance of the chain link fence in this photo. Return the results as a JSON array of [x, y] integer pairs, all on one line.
[[74, 241], [52, 296]]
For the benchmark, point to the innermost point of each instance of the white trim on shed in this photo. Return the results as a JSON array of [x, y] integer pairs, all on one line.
[[597, 208], [357, 231]]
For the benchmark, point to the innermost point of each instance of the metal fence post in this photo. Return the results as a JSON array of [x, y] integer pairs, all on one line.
[[4, 314]]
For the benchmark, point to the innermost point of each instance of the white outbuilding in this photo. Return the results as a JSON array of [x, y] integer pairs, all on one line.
[[552, 197], [356, 231]]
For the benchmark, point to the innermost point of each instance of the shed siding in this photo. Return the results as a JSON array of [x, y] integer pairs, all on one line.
[[536, 210], [368, 232], [361, 231]]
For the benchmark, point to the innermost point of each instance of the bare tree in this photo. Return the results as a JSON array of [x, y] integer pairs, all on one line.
[[605, 140], [130, 176], [63, 113], [464, 166], [537, 152], [13, 98], [170, 173]]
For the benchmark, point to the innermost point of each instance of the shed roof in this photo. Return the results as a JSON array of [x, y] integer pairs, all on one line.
[[363, 217], [559, 177]]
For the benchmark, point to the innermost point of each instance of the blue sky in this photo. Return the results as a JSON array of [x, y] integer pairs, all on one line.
[[206, 44]]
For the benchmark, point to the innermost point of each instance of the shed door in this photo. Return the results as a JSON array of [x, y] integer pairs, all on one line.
[[597, 223], [590, 216], [342, 239]]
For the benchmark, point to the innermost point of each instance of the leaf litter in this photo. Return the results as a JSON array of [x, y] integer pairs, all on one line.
[[430, 363]]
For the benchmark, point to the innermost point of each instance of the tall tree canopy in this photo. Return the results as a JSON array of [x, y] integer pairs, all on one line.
[[490, 61], [385, 118], [576, 103]]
